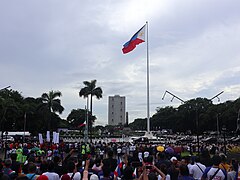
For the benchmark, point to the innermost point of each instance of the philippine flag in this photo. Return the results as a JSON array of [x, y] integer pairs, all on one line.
[[137, 38]]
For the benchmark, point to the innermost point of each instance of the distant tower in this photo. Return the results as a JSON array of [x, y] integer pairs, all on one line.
[[116, 110]]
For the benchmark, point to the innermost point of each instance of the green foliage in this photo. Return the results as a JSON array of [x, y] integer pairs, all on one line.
[[185, 116], [91, 89], [78, 116]]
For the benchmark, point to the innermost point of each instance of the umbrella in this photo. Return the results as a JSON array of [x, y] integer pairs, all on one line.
[[160, 148], [169, 150], [35, 149]]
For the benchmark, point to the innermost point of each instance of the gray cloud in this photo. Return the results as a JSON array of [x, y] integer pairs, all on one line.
[[56, 45]]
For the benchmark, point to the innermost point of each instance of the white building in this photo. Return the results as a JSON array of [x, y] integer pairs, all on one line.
[[116, 110]]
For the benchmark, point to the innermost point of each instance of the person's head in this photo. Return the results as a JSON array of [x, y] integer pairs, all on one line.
[[65, 177], [94, 177], [98, 161], [197, 159], [13, 157], [216, 160], [8, 163], [152, 176], [127, 173], [42, 177], [223, 157], [110, 153], [161, 155], [163, 168], [235, 165], [50, 166], [174, 160], [31, 168], [71, 166], [106, 171], [183, 169], [56, 159]]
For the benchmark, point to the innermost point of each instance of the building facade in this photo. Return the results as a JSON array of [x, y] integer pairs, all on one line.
[[116, 110]]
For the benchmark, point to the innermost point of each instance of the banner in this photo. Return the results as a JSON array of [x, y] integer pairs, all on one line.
[[40, 138], [48, 136]]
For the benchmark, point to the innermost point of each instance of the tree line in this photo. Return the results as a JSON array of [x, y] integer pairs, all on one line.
[[18, 113], [43, 113], [195, 115]]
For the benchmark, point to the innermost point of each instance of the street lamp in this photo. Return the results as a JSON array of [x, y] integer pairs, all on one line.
[[197, 118], [238, 123], [6, 134], [5, 88], [224, 138]]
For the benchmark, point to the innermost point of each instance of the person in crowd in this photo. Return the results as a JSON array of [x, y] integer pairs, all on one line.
[[224, 165], [233, 172], [161, 159], [184, 173], [164, 169], [57, 167], [85, 172], [110, 161], [97, 167], [50, 172], [7, 169], [72, 171], [214, 172], [15, 166], [43, 177], [205, 158], [2, 175], [173, 170], [32, 171], [197, 169]]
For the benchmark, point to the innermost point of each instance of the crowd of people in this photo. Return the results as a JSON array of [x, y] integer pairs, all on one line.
[[105, 161]]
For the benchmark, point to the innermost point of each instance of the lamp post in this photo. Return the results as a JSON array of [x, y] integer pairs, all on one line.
[[197, 126], [238, 123], [224, 138], [6, 134], [197, 118]]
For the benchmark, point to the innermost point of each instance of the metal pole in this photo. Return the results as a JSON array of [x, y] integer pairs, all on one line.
[[24, 127], [86, 127], [197, 125], [218, 125], [148, 113]]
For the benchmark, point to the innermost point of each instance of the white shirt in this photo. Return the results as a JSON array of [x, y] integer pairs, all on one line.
[[196, 171], [77, 176], [167, 177], [219, 176], [51, 175]]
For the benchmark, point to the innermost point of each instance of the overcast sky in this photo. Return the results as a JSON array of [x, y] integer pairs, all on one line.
[[58, 44]]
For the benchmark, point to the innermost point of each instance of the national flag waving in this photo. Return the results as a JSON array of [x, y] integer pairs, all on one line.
[[81, 125], [137, 38]]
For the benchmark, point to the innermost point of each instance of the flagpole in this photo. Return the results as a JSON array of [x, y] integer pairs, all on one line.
[[148, 113]]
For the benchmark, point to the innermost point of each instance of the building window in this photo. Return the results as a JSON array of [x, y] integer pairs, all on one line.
[[112, 120]]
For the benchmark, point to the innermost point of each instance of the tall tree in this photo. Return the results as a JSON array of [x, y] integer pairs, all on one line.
[[8, 108], [51, 104], [77, 117], [91, 89]]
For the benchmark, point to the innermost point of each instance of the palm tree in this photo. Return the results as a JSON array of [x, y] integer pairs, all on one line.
[[91, 89], [51, 104]]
